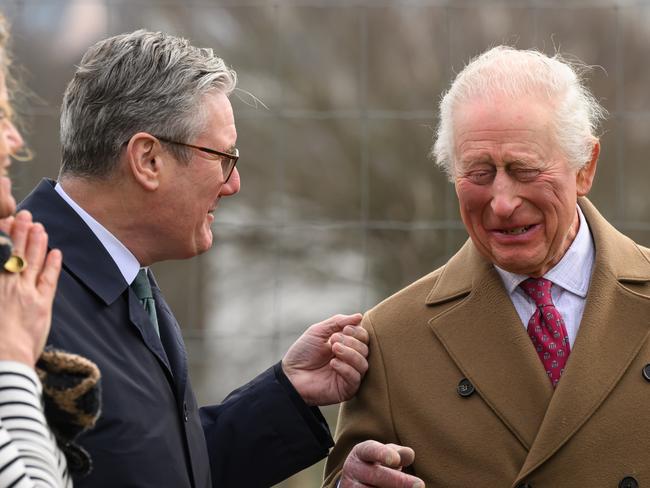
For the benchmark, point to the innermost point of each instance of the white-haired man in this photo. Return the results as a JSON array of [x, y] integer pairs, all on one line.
[[524, 360]]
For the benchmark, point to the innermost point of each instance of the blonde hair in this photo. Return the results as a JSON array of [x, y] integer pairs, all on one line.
[[24, 153]]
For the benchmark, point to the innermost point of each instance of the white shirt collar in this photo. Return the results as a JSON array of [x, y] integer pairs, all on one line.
[[572, 273], [124, 259]]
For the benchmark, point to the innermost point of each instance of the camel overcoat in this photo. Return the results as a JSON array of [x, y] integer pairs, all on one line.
[[509, 428]]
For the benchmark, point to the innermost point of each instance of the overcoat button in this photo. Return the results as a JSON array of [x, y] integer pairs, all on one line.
[[628, 481], [465, 388], [646, 372], [186, 416], [524, 485]]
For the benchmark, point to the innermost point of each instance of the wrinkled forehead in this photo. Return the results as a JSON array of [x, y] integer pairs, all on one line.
[[503, 113]]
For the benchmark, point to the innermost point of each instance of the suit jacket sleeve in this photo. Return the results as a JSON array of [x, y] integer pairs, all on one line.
[[263, 433]]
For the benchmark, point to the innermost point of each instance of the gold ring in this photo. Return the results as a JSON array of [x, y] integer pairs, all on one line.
[[15, 264]]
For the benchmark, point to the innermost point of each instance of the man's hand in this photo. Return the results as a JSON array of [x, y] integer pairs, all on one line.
[[373, 464], [326, 364], [26, 297]]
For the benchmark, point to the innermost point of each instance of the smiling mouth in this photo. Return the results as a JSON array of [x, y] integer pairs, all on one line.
[[516, 231]]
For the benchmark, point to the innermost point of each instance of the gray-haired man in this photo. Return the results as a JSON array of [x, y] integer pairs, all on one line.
[[148, 140]]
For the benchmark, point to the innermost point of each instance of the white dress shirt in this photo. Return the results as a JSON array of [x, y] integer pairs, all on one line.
[[570, 277], [124, 259]]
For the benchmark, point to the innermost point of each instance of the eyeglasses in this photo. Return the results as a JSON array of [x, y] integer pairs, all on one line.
[[228, 161]]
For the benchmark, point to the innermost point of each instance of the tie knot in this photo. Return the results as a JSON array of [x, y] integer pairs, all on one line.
[[141, 286], [539, 289]]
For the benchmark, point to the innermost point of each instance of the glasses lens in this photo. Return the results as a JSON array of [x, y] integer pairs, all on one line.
[[227, 165]]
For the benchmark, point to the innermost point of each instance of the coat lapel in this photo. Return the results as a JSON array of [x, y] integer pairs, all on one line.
[[172, 340], [493, 350], [613, 329]]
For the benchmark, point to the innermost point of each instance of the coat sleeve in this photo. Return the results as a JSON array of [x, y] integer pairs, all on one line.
[[29, 456], [263, 433], [367, 416]]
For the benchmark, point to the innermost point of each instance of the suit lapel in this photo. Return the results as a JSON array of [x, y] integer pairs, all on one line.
[[493, 350], [172, 340], [613, 329]]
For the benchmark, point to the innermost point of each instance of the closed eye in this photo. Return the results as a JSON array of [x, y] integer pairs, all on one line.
[[481, 176], [524, 175]]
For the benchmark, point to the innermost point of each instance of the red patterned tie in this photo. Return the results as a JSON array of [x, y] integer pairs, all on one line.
[[546, 328]]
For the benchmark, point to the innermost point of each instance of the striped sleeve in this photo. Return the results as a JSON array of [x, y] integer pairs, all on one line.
[[29, 456]]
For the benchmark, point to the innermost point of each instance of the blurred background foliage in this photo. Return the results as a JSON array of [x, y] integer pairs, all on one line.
[[340, 205]]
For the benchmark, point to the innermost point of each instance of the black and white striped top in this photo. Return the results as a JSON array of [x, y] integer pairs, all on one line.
[[29, 456]]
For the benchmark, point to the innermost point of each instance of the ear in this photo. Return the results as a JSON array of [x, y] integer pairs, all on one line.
[[586, 174], [144, 160]]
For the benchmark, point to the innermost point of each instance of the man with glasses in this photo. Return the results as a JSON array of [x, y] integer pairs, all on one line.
[[148, 150]]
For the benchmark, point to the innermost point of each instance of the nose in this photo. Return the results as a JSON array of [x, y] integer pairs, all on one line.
[[233, 184], [505, 199], [12, 138]]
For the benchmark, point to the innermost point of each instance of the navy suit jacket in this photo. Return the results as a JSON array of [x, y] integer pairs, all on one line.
[[151, 432]]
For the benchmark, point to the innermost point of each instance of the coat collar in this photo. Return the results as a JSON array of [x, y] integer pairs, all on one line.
[[483, 335], [84, 255]]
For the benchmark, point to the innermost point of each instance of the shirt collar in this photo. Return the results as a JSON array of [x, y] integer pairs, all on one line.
[[124, 259], [572, 273]]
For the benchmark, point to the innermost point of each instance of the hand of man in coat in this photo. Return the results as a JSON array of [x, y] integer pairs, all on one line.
[[373, 464], [326, 364]]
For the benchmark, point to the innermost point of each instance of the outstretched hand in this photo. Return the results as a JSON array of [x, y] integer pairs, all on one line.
[[327, 363], [26, 297]]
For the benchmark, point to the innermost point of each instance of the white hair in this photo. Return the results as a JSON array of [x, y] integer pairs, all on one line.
[[506, 71]]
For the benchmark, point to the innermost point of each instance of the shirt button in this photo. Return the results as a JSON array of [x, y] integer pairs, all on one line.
[[186, 415], [628, 482], [646, 372], [465, 388]]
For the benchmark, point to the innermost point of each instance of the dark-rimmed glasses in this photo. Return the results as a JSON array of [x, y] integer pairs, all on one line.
[[228, 161]]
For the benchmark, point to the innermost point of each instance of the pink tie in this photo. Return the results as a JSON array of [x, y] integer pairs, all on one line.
[[546, 328]]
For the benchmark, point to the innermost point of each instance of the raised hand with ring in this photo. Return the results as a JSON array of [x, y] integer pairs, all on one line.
[[26, 292]]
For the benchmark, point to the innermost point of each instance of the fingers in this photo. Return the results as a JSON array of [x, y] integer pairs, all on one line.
[[351, 356], [352, 336], [19, 232], [6, 224], [350, 351], [336, 323], [374, 464], [351, 379], [49, 277], [406, 454], [376, 452], [34, 254], [30, 242]]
